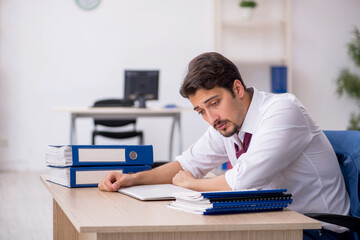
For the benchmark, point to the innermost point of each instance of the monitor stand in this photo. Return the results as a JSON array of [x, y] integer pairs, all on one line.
[[142, 102]]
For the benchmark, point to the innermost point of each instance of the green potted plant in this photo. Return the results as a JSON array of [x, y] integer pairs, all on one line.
[[247, 8], [247, 4], [348, 82]]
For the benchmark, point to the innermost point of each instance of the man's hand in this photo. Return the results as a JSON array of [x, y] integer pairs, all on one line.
[[114, 180], [159, 175], [184, 179]]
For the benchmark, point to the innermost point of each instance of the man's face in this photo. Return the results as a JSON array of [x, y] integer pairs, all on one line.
[[220, 109]]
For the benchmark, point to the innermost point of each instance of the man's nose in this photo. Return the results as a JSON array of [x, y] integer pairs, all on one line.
[[213, 117]]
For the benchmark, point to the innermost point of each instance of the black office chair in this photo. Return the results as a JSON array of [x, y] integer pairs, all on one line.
[[116, 123], [347, 148]]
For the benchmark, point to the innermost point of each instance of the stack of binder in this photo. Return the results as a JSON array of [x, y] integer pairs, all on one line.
[[86, 165], [211, 203]]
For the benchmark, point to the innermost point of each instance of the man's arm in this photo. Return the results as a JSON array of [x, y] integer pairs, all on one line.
[[159, 175], [187, 180]]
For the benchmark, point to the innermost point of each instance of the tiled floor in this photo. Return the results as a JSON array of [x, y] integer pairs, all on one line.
[[25, 207]]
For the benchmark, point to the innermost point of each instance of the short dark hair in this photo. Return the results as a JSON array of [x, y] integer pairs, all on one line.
[[207, 71]]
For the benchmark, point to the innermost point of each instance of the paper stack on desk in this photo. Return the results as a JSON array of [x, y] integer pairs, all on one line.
[[87, 165], [210, 203]]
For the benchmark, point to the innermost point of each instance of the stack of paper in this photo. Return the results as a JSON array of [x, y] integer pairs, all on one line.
[[209, 203], [59, 156]]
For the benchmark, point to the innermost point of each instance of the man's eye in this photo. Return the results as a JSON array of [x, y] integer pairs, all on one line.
[[200, 112], [215, 103]]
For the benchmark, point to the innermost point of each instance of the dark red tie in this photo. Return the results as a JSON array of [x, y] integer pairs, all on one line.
[[246, 143]]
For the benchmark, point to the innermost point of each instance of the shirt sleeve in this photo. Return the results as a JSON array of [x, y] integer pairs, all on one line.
[[281, 136], [203, 156]]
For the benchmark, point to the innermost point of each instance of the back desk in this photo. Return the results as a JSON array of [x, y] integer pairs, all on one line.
[[113, 113]]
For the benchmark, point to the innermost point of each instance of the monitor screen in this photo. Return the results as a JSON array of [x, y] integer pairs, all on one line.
[[141, 85]]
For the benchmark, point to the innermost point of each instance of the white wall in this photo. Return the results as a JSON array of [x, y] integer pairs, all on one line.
[[321, 29], [54, 54]]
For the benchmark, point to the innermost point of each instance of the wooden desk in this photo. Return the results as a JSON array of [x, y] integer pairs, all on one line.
[[87, 213], [124, 113]]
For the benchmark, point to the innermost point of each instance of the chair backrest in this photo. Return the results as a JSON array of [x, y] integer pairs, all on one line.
[[347, 148], [114, 103]]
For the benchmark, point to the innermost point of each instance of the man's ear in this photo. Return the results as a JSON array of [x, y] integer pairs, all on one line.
[[238, 88]]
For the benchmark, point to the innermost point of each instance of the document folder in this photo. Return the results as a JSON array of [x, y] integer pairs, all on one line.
[[99, 155], [74, 177]]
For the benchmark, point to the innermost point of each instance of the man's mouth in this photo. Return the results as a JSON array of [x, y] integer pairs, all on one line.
[[220, 125]]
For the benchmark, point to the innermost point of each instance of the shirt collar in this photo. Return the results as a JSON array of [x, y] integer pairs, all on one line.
[[252, 115]]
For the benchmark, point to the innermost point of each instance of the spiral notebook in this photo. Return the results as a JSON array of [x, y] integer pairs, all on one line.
[[210, 203]]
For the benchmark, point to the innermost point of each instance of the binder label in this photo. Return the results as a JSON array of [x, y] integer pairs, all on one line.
[[92, 177], [105, 155]]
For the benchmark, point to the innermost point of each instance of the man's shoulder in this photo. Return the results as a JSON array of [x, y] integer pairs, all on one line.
[[286, 105], [277, 96], [283, 99]]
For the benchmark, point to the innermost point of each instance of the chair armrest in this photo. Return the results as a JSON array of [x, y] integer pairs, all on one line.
[[350, 222]]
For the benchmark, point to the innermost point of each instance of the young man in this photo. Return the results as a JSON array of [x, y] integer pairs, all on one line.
[[270, 139]]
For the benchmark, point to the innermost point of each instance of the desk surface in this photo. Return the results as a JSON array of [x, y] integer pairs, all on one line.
[[91, 210], [120, 110]]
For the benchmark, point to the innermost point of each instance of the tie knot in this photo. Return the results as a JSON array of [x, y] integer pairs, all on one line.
[[245, 145]]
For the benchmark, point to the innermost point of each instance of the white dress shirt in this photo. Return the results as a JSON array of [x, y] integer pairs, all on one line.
[[287, 150]]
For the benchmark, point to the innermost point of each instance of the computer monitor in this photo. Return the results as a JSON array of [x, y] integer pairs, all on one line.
[[141, 85]]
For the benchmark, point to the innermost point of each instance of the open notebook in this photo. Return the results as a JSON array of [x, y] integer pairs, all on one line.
[[153, 192]]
